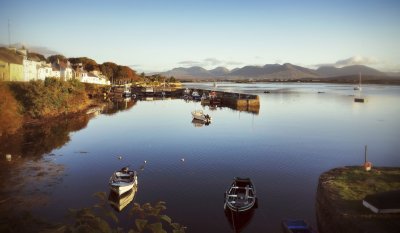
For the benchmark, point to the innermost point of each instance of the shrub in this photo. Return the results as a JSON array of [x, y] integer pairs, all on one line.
[[10, 111], [51, 97]]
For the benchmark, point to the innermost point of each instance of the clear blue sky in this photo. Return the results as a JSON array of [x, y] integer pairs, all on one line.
[[160, 35]]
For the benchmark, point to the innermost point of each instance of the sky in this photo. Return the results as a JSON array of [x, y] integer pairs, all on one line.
[[158, 35]]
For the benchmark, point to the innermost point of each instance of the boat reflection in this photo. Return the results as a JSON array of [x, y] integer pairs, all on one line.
[[239, 220], [199, 123], [117, 104], [120, 202]]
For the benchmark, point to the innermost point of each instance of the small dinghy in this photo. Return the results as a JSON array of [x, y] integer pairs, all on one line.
[[122, 181], [296, 226], [199, 115], [241, 195]]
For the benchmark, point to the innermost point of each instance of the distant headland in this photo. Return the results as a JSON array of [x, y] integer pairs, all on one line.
[[286, 73]]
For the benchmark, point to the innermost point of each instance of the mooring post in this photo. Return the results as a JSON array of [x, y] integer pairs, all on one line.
[[365, 153]]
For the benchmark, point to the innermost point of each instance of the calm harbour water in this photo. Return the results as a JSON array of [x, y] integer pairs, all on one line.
[[296, 135]]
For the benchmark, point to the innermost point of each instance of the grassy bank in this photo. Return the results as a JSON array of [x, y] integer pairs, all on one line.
[[354, 183], [340, 194], [40, 100]]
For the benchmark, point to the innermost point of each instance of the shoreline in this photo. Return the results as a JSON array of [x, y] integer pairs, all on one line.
[[28, 121], [391, 82]]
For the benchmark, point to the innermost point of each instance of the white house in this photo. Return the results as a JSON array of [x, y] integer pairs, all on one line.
[[66, 71], [86, 77], [45, 71], [55, 73], [30, 69]]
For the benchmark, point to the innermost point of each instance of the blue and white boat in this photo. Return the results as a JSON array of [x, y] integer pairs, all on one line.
[[296, 226]]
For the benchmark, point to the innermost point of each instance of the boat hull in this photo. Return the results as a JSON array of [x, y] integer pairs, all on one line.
[[121, 189], [239, 208], [241, 195], [123, 181], [119, 202]]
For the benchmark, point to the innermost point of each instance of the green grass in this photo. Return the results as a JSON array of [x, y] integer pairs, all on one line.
[[355, 183]]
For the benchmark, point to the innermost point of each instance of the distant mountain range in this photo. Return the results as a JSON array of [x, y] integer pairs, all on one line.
[[286, 71]]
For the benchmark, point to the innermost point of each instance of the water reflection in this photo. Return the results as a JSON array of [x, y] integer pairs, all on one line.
[[38, 139], [296, 136], [232, 104], [199, 123], [28, 177], [120, 202], [239, 220], [117, 104]]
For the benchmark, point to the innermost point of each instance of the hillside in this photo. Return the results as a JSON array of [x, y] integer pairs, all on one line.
[[274, 71], [268, 71], [287, 72], [194, 72], [330, 71]]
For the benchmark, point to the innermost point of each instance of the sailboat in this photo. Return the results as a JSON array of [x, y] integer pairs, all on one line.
[[359, 99], [358, 88]]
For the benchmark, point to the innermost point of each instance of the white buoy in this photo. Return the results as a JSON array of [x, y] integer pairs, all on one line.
[[182, 159], [145, 161], [8, 157]]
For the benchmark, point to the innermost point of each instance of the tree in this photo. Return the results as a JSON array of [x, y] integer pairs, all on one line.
[[109, 69], [126, 74], [172, 79], [87, 63], [56, 58]]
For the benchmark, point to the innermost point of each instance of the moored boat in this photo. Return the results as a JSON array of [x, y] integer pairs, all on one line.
[[123, 181], [199, 115], [119, 202], [296, 226], [196, 95], [358, 88], [241, 195]]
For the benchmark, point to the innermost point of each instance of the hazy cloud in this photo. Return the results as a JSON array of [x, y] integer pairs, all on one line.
[[43, 50], [357, 60], [234, 63], [35, 49], [133, 66], [190, 63], [209, 62], [212, 61]]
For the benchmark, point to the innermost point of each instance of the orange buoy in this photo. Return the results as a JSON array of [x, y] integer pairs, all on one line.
[[367, 166]]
